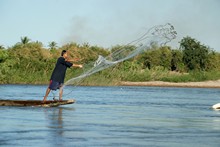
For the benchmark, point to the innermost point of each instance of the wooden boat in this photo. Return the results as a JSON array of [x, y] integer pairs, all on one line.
[[35, 103]]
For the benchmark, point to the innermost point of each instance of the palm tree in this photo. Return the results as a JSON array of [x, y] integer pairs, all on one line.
[[1, 47], [25, 40], [52, 45]]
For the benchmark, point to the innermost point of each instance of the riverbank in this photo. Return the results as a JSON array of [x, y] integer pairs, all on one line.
[[204, 84]]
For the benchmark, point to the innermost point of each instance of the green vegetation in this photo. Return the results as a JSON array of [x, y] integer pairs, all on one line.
[[29, 62]]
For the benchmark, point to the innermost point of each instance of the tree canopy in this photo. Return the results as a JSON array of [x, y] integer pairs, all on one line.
[[195, 55], [30, 62]]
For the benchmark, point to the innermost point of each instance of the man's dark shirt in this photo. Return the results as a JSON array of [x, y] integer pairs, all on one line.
[[59, 71]]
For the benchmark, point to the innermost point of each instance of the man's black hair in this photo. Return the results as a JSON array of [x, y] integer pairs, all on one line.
[[63, 52]]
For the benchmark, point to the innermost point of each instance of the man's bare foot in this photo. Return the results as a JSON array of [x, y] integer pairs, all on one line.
[[44, 101]]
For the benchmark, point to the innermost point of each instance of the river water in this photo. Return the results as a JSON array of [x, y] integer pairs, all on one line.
[[113, 116]]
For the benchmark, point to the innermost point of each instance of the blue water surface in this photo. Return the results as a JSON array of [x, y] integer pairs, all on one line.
[[113, 116]]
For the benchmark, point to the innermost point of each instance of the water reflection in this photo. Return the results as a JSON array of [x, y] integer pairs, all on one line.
[[56, 121]]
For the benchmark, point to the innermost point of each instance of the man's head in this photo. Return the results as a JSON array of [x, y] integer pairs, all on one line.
[[64, 53]]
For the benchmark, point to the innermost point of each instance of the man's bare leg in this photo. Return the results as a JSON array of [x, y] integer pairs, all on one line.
[[61, 93], [46, 95]]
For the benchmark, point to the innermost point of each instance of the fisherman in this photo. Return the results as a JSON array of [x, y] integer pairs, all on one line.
[[58, 75]]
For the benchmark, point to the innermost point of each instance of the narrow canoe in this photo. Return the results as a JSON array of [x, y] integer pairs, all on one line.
[[35, 103]]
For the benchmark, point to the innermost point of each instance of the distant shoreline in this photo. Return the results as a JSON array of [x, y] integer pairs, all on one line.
[[204, 84]]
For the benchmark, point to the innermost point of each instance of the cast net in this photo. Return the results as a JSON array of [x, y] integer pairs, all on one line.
[[157, 35]]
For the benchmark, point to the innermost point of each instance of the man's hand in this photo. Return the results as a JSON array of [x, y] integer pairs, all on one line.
[[78, 65]]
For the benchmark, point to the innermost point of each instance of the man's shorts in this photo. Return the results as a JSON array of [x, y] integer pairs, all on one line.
[[55, 85]]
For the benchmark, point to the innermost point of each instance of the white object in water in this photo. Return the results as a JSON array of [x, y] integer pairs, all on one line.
[[216, 106]]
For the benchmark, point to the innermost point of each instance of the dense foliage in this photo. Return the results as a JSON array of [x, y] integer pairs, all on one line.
[[30, 63]]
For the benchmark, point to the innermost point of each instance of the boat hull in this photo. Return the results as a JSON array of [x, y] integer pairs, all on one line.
[[35, 103]]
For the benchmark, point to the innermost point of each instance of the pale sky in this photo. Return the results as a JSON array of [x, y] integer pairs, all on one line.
[[107, 22]]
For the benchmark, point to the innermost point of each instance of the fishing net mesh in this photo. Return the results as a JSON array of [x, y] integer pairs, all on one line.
[[157, 35]]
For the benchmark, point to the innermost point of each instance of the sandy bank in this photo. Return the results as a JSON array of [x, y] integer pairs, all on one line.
[[205, 84]]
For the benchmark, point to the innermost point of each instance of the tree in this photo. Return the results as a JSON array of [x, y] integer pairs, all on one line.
[[3, 55], [52, 45], [86, 45], [1, 47], [195, 55], [176, 62], [119, 52], [165, 57], [213, 61], [25, 40], [151, 58], [40, 44]]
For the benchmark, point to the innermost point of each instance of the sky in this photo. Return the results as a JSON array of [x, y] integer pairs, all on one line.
[[107, 23]]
